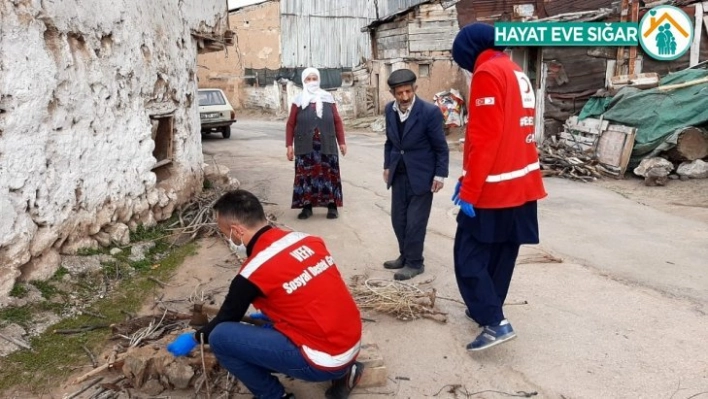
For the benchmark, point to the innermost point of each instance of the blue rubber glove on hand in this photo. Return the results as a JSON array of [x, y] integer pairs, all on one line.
[[182, 345], [261, 316], [468, 209], [456, 195]]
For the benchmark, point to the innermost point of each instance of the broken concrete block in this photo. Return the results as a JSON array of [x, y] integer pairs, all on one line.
[[102, 238], [79, 265], [663, 167], [44, 239], [119, 232], [373, 377], [138, 252], [42, 267], [14, 331], [370, 356], [152, 388], [73, 245], [179, 374], [217, 175], [136, 367], [153, 197], [694, 170]]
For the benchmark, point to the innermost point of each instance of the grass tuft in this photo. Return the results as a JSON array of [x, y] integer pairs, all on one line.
[[54, 357]]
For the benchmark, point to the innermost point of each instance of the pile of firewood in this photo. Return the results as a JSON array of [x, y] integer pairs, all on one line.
[[558, 159], [145, 366]]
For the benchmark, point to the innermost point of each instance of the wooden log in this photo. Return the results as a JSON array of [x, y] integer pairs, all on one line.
[[98, 370], [682, 85], [692, 144]]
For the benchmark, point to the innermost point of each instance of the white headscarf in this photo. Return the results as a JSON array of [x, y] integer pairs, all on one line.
[[312, 93]]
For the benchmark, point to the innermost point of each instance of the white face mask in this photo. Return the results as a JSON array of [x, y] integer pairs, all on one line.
[[239, 250], [312, 87]]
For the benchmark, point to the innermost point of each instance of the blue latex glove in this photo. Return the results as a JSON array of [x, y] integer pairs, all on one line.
[[456, 195], [182, 345], [261, 316], [466, 208]]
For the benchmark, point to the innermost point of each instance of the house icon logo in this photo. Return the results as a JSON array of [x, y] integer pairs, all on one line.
[[666, 33]]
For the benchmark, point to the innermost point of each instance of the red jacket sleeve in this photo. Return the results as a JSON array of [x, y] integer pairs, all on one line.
[[290, 126], [484, 133], [338, 125]]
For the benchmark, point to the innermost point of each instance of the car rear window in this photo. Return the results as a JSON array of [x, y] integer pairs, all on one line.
[[211, 97]]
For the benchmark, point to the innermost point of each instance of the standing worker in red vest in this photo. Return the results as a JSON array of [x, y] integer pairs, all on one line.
[[500, 182]]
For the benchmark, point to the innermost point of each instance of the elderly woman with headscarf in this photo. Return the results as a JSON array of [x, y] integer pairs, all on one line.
[[500, 182], [314, 131]]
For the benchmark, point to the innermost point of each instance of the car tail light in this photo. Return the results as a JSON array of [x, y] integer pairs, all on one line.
[[233, 115]]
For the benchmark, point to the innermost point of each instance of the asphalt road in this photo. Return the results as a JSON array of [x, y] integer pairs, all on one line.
[[624, 316]]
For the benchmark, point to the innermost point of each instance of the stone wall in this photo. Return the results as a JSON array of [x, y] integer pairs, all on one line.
[[93, 95]]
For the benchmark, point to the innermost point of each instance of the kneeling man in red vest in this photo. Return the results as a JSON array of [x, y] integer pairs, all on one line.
[[314, 325]]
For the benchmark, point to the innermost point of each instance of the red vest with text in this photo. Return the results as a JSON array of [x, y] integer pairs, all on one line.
[[500, 160], [305, 297]]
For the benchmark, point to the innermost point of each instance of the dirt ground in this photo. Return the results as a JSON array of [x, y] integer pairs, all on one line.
[[688, 199], [585, 330]]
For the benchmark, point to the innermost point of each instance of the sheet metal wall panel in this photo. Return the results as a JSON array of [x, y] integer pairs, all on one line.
[[325, 33], [391, 7], [556, 7]]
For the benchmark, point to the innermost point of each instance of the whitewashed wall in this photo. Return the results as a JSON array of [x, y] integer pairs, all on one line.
[[78, 82]]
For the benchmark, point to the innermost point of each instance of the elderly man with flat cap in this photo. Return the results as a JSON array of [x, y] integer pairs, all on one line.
[[416, 158], [500, 181]]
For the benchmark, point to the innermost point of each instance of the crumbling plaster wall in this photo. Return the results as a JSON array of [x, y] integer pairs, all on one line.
[[278, 98], [257, 46], [79, 80], [443, 74]]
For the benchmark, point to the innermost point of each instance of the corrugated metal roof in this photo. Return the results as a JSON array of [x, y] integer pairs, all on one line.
[[555, 7], [469, 11], [325, 33], [388, 8]]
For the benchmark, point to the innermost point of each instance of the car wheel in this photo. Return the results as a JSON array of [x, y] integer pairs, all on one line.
[[226, 132]]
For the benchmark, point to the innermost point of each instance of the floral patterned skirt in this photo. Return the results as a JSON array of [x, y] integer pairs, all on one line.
[[317, 179]]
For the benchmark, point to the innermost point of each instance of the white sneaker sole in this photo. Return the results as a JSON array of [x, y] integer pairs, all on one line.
[[495, 343]]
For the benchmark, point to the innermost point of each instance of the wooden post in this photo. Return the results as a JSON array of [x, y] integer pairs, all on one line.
[[698, 30], [624, 11], [633, 50]]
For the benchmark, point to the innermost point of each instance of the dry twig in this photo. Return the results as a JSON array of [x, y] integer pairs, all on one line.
[[80, 329], [158, 282], [204, 370], [16, 342], [90, 355], [404, 301], [84, 389]]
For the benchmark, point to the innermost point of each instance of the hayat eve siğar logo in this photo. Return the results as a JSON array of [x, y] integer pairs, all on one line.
[[666, 33]]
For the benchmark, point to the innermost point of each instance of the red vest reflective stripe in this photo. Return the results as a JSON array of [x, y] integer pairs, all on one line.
[[500, 160], [305, 296]]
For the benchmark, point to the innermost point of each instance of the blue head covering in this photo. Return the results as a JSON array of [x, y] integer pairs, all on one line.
[[470, 42]]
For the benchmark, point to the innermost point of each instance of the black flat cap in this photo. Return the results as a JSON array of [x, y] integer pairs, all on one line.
[[401, 77]]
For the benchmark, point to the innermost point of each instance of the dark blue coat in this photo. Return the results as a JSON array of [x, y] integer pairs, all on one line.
[[422, 146]]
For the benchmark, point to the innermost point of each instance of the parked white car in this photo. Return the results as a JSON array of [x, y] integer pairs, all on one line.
[[215, 112]]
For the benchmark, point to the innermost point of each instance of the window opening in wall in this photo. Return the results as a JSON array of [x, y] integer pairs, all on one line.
[[163, 136], [424, 70]]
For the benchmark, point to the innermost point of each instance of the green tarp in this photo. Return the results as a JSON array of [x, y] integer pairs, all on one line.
[[656, 114]]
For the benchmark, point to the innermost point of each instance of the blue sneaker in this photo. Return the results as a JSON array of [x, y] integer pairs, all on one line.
[[491, 336]]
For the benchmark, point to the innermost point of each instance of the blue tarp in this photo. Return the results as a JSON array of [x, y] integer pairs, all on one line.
[[657, 114]]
